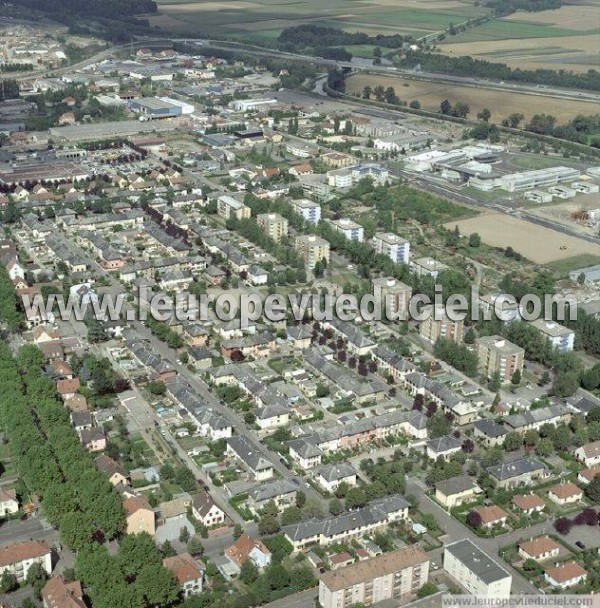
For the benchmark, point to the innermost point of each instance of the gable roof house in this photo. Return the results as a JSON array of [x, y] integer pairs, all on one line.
[[246, 548], [113, 470], [331, 476], [59, 594], [242, 449], [529, 503], [565, 493], [140, 515], [589, 454], [205, 510], [491, 516], [540, 548], [188, 572], [19, 557], [565, 574], [8, 501], [281, 492]]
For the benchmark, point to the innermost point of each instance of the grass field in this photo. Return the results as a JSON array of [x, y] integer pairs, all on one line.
[[266, 18], [566, 38], [564, 267], [500, 103], [538, 244]]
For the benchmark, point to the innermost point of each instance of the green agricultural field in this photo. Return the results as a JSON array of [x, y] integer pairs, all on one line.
[[264, 19], [565, 38], [501, 29]]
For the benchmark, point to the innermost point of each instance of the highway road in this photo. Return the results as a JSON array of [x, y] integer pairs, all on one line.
[[528, 89]]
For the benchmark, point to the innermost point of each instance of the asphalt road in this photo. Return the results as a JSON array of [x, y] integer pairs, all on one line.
[[203, 392], [35, 528], [456, 531]]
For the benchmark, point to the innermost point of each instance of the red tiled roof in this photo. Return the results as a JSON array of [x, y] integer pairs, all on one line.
[[528, 501], [30, 549], [566, 490], [539, 546], [565, 572], [184, 567], [239, 552]]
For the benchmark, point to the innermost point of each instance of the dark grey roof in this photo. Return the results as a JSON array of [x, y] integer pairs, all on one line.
[[443, 444], [376, 512], [304, 448], [394, 360], [478, 562], [507, 470], [248, 453], [536, 416], [271, 411], [273, 489], [203, 502], [490, 428], [455, 485], [334, 472]]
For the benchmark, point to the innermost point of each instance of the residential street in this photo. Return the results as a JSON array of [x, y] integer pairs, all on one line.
[[456, 531]]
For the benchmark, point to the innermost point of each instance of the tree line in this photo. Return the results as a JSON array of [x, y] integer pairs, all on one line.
[[317, 36], [502, 8], [479, 68]]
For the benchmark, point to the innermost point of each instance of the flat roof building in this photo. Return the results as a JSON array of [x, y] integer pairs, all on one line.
[[308, 209], [475, 571], [560, 336], [428, 266], [392, 246], [351, 230], [273, 225], [499, 356], [312, 249]]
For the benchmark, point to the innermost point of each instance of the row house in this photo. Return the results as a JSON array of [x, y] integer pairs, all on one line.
[[348, 526]]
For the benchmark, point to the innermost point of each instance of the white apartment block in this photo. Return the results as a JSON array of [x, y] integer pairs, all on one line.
[[391, 245], [475, 571], [428, 266], [351, 230], [560, 336], [308, 209]]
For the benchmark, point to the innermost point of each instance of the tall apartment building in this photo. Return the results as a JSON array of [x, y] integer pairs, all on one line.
[[351, 230], [308, 209], [273, 224], [396, 248], [474, 570], [498, 355], [439, 325], [560, 336], [390, 576], [312, 249], [227, 207], [395, 297]]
